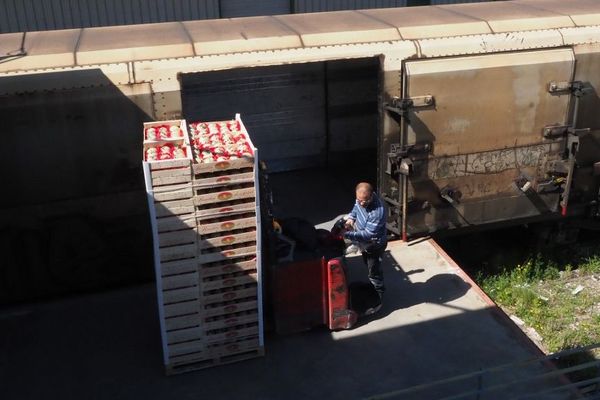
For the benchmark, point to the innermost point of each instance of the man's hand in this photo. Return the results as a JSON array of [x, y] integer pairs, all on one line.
[[349, 224]]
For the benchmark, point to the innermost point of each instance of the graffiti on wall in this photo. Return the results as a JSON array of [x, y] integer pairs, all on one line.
[[489, 162]]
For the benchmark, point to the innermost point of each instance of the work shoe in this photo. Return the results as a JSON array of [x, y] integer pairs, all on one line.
[[373, 310], [352, 249]]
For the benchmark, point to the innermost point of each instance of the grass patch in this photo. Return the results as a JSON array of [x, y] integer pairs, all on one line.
[[543, 292]]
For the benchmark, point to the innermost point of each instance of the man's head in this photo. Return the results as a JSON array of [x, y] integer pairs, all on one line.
[[364, 194]]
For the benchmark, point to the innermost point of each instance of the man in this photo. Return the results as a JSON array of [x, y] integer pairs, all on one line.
[[367, 219]]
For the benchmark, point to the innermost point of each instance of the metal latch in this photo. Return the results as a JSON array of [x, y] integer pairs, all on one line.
[[597, 169], [420, 101], [450, 194], [555, 131], [401, 106], [410, 149], [399, 161], [577, 88]]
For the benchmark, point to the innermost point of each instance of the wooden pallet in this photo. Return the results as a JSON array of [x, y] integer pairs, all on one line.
[[195, 365]]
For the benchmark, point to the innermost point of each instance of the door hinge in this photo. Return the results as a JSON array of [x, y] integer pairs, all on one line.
[[402, 106]]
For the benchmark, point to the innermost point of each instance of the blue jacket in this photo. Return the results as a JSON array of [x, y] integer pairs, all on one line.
[[369, 222]]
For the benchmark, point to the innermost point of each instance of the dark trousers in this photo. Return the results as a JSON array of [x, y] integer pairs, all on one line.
[[372, 257]]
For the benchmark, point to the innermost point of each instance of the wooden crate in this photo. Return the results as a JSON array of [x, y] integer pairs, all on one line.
[[228, 268], [225, 224], [204, 212], [181, 139], [226, 281], [206, 231], [229, 308], [232, 177], [225, 194], [241, 333], [209, 169], [226, 239], [218, 256], [237, 293]]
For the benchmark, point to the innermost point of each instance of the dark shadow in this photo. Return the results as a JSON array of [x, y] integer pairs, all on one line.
[[477, 253], [9, 58], [115, 356], [427, 210], [418, 240], [114, 348], [401, 293], [581, 374], [74, 214]]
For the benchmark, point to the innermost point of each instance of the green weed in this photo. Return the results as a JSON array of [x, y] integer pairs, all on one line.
[[540, 292]]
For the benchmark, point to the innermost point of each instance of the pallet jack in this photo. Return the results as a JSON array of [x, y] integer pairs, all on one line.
[[312, 293]]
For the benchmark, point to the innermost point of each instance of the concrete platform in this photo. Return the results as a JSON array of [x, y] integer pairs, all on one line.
[[434, 324]]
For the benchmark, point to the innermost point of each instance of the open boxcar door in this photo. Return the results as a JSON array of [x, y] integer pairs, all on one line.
[[482, 139]]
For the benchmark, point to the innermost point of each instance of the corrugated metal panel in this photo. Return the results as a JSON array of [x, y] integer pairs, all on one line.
[[249, 8], [352, 107], [283, 107], [304, 6], [437, 2], [34, 15]]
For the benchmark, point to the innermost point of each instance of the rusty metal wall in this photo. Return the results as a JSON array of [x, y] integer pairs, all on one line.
[[437, 2], [304, 6], [480, 145], [248, 8], [36, 15], [586, 183]]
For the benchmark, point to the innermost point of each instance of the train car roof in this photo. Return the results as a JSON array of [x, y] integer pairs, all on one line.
[[582, 12], [120, 44], [219, 36], [513, 16], [341, 27], [429, 22]]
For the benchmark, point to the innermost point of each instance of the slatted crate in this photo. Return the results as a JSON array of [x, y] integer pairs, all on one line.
[[206, 227], [171, 135]]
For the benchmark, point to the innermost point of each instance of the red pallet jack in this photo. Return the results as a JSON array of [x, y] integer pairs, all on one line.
[[313, 293]]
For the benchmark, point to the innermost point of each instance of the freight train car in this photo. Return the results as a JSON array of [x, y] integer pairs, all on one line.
[[474, 114]]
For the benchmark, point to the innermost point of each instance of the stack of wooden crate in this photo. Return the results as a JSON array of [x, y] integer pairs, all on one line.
[[206, 228]]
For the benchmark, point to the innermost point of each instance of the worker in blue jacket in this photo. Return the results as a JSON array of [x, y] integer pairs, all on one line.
[[366, 226]]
